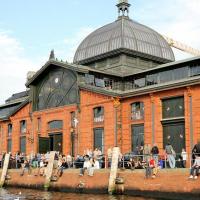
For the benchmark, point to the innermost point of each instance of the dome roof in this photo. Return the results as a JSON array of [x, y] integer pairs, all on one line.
[[127, 35]]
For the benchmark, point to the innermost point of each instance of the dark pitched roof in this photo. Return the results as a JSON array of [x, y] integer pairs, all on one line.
[[10, 109], [17, 96]]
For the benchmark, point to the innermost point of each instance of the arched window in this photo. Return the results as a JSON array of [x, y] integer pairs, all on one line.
[[98, 114], [58, 88], [9, 130], [137, 111], [54, 125], [23, 126]]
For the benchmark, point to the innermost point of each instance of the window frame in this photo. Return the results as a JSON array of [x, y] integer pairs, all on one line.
[[139, 112], [98, 118]]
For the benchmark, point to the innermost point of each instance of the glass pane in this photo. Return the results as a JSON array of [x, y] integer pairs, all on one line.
[[137, 111], [98, 138], [9, 129], [89, 79], [99, 114], [9, 145], [180, 73], [139, 83], [23, 126], [137, 137], [152, 79], [173, 107], [55, 125], [166, 76], [57, 89], [23, 144], [175, 135], [195, 70]]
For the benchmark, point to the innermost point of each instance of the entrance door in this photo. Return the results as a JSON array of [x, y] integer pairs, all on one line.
[[55, 141], [44, 145], [137, 136], [174, 133]]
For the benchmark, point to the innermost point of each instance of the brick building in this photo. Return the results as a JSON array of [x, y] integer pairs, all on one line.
[[123, 89]]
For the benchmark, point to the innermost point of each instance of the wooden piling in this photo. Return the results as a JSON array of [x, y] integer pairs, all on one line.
[[49, 170], [113, 171], [5, 169]]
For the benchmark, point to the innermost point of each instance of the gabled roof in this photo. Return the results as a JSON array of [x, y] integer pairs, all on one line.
[[74, 67], [9, 109], [18, 97]]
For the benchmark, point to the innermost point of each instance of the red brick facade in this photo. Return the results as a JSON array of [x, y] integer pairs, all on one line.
[[84, 130]]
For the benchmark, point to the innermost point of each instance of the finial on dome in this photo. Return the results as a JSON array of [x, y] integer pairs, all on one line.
[[123, 8], [52, 55]]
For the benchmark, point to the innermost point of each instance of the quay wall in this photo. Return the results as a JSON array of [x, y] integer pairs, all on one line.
[[169, 184]]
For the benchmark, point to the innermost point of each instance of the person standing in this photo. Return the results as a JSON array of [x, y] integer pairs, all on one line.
[[196, 150], [147, 152], [170, 155], [155, 153], [184, 158]]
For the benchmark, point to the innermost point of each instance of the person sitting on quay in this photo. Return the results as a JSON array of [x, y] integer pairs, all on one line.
[[155, 153], [94, 165], [131, 164], [194, 171], [26, 166], [86, 165], [151, 168]]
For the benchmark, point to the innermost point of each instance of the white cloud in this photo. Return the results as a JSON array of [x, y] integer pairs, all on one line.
[[178, 19], [14, 66]]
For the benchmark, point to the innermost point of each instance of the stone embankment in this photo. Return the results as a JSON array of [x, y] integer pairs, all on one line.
[[169, 184]]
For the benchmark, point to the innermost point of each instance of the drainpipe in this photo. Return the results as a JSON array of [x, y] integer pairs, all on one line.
[[152, 118], [116, 102]]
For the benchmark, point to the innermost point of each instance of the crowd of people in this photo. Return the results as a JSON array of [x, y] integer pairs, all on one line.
[[144, 157]]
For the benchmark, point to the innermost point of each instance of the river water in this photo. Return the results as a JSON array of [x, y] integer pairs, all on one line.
[[22, 194]]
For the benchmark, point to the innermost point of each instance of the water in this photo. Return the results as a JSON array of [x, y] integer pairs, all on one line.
[[22, 194]]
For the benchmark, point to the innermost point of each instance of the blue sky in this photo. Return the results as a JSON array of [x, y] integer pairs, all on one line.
[[30, 29]]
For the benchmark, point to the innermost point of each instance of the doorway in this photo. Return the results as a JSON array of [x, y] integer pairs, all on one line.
[[174, 133], [52, 143], [55, 142]]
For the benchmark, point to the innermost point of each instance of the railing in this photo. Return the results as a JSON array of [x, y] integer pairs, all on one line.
[[125, 161]]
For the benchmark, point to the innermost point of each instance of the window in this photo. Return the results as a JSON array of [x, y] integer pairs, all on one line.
[[54, 125], [23, 144], [166, 76], [180, 73], [23, 127], [89, 79], [57, 88], [9, 130], [99, 138], [173, 107], [108, 83], [72, 119], [137, 136], [139, 83], [39, 124], [152, 79], [99, 82], [9, 145], [195, 70], [99, 114], [137, 111]]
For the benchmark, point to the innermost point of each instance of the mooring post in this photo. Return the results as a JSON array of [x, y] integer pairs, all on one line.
[[5, 169], [49, 170], [113, 170]]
